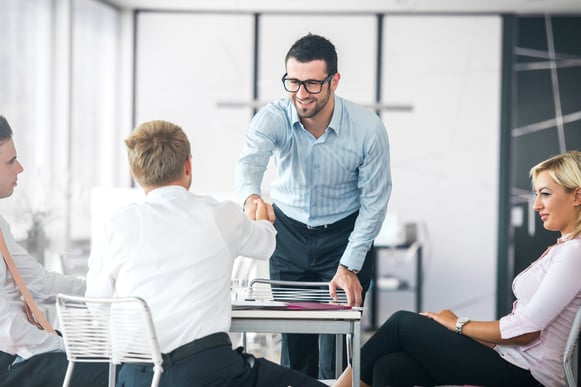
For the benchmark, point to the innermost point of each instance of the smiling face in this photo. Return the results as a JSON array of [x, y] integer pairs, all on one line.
[[558, 209], [311, 105], [9, 168]]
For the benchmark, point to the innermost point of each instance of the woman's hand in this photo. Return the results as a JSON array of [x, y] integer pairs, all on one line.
[[445, 317], [486, 332]]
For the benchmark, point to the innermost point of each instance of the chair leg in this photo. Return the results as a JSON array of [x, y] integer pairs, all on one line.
[[349, 345], [68, 374], [156, 377], [112, 374], [338, 355]]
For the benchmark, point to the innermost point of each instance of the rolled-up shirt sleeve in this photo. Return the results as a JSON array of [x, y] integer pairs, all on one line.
[[544, 290]]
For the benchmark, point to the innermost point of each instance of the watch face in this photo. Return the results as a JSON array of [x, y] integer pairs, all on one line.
[[463, 320]]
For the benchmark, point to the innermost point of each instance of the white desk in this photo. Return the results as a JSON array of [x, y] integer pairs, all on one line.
[[302, 321]]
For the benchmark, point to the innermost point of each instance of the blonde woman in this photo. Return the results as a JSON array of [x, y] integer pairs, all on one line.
[[523, 348]]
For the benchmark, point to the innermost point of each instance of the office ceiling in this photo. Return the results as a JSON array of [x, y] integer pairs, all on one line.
[[358, 6]]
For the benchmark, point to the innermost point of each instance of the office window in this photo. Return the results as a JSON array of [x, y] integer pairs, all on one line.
[[64, 137], [25, 69], [95, 139]]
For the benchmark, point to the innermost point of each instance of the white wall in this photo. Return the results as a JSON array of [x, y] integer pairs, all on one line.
[[186, 64], [445, 154]]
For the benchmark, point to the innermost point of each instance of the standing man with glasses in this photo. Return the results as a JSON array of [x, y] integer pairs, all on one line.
[[331, 192]]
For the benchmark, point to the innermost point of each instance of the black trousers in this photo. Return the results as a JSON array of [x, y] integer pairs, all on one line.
[[48, 370], [215, 366], [413, 350], [312, 255]]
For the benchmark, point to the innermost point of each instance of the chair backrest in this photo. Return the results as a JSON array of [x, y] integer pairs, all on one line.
[[570, 361], [108, 330]]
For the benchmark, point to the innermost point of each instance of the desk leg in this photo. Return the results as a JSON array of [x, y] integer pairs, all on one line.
[[338, 355], [419, 280], [356, 345], [373, 293]]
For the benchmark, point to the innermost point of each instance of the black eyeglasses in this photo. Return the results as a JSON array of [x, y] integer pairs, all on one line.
[[312, 86]]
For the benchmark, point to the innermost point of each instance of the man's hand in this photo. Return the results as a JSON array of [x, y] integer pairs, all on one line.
[[261, 209], [257, 209], [348, 281]]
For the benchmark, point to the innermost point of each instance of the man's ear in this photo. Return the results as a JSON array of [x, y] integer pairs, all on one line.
[[335, 81], [188, 166]]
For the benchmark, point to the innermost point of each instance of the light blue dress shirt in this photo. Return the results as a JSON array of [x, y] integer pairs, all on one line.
[[322, 180]]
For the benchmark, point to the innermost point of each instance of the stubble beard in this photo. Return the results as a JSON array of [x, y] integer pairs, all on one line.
[[311, 112]]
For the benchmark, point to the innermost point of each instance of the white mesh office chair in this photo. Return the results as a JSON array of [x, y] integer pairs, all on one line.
[[108, 330], [570, 355]]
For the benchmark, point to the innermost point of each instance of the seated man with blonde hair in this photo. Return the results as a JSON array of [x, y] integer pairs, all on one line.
[[176, 250]]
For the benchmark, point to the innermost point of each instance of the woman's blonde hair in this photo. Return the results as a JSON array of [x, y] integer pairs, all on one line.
[[157, 151], [565, 169]]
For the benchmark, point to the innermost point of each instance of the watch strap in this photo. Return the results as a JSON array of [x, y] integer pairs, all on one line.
[[354, 271], [460, 322]]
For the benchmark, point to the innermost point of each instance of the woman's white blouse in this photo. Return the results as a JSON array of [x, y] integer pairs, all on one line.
[[548, 295]]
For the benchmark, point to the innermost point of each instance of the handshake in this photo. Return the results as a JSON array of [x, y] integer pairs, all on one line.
[[257, 209]]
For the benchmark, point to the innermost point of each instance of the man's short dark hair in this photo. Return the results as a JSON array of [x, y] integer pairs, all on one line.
[[314, 47], [5, 130]]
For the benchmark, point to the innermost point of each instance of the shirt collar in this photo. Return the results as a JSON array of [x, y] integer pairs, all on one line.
[[337, 117], [165, 191], [567, 237]]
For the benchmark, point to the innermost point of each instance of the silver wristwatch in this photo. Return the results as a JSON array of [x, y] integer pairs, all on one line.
[[460, 324]]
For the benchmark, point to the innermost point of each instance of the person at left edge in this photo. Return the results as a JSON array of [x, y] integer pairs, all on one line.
[[29, 356]]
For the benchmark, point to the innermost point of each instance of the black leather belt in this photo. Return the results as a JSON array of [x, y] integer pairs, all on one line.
[[321, 227], [340, 223], [206, 342]]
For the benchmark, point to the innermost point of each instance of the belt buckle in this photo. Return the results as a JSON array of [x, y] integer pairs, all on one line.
[[321, 227]]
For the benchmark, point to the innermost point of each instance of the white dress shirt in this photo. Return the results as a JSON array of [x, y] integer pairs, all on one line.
[[548, 295], [176, 250], [17, 335]]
